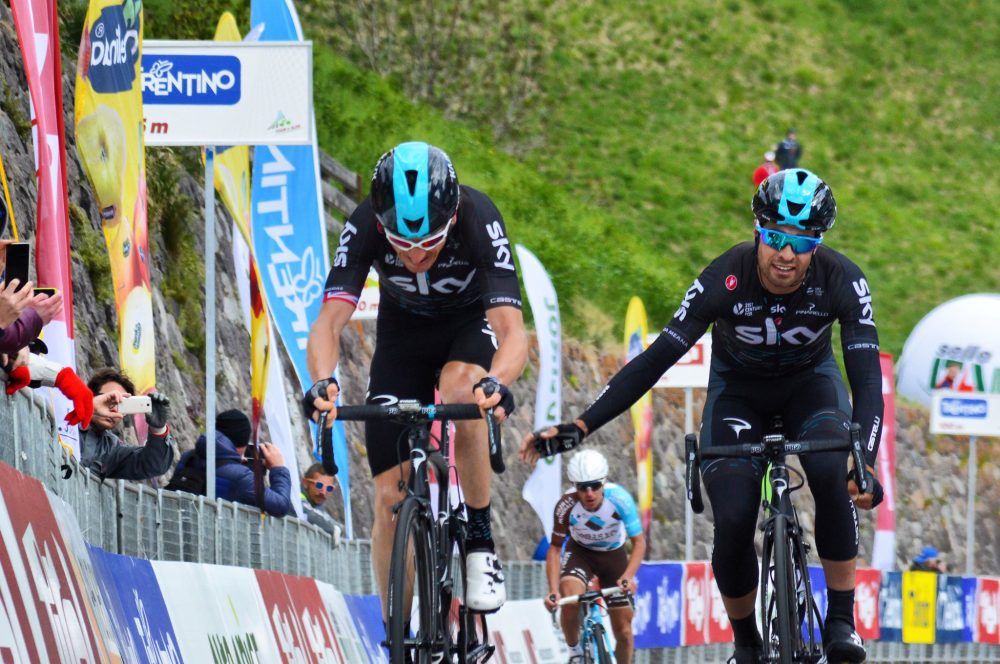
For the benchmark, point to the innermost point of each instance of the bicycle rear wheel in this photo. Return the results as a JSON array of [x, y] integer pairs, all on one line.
[[411, 574], [785, 600], [466, 629], [598, 646]]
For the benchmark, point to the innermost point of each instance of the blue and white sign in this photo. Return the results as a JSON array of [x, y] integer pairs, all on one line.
[[890, 607], [227, 93], [951, 627], [965, 414], [203, 80], [657, 619]]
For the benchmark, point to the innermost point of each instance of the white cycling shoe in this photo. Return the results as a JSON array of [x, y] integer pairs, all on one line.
[[484, 588]]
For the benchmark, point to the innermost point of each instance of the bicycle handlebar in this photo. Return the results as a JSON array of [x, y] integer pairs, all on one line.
[[410, 411], [590, 595], [769, 447]]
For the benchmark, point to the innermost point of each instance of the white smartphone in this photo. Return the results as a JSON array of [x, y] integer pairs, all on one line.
[[136, 405]]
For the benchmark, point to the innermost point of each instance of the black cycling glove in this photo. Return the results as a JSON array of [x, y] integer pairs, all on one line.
[[569, 436], [491, 385], [317, 391], [874, 485]]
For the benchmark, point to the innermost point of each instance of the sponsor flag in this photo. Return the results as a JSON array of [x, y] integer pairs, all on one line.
[[543, 487], [884, 548], [817, 581], [697, 603], [657, 620], [289, 234], [37, 26], [642, 413], [109, 139], [866, 591], [919, 614], [232, 181]]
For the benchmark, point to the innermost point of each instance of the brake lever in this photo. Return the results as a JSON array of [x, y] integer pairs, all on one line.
[[861, 479]]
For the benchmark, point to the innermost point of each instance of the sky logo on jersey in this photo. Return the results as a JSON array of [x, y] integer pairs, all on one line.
[[113, 42], [971, 408], [191, 80]]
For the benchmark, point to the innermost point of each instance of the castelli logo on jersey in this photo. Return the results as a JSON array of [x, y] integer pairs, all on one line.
[[114, 47], [731, 282]]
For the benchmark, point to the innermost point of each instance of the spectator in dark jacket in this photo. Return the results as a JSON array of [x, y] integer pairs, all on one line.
[[789, 151], [928, 560], [233, 478], [104, 452]]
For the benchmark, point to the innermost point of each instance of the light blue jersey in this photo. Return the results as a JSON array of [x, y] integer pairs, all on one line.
[[604, 529]]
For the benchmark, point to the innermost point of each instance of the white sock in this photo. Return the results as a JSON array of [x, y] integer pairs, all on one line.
[[575, 650]]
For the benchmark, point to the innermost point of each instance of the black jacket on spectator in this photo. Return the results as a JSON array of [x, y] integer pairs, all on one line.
[[234, 481], [788, 153], [104, 453]]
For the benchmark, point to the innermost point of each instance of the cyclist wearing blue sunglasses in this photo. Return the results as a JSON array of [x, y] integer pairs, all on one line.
[[772, 304]]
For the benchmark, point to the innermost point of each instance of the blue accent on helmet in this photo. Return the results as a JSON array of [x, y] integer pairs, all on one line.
[[799, 196], [411, 204]]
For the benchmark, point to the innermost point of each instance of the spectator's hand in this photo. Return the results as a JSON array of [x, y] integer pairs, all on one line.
[[552, 601], [17, 378], [22, 358], [11, 303], [47, 306], [76, 391], [157, 418], [106, 409], [322, 396], [865, 501], [272, 455]]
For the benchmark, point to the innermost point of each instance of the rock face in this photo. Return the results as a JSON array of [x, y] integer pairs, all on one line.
[[931, 470]]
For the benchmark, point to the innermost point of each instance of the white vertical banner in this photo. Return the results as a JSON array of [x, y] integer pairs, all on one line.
[[279, 422], [543, 487]]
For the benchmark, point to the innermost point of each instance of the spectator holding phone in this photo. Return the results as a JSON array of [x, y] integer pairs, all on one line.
[[23, 314], [103, 452], [234, 479]]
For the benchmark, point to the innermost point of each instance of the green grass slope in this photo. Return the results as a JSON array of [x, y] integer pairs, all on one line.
[[652, 116]]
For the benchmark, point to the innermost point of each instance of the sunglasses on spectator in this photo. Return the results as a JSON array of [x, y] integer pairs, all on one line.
[[321, 485], [589, 486], [801, 244], [429, 243]]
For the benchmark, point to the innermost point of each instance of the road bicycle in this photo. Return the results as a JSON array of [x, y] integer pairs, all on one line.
[[428, 551], [593, 636], [786, 599]]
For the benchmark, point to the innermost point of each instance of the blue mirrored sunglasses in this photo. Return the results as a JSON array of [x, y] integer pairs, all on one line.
[[322, 485], [801, 244]]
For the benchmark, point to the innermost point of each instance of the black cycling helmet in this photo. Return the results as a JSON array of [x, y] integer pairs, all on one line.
[[795, 197], [414, 190]]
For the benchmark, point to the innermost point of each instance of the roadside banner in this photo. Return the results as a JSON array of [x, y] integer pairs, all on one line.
[[227, 92], [965, 414], [289, 235], [950, 620], [884, 548], [890, 607], [919, 615], [642, 413], [988, 610], [37, 26], [866, 591], [658, 605], [543, 487], [522, 631], [109, 139], [366, 612], [969, 586], [692, 369], [697, 603]]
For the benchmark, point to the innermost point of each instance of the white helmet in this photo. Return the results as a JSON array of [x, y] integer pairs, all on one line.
[[587, 466]]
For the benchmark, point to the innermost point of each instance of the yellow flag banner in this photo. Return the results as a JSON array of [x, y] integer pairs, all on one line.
[[232, 181], [919, 606], [109, 139], [642, 413]]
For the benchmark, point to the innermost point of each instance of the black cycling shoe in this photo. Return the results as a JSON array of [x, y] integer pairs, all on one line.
[[842, 644], [746, 655]]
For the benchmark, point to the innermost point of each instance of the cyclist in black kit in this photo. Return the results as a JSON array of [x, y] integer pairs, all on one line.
[[772, 304], [449, 315]]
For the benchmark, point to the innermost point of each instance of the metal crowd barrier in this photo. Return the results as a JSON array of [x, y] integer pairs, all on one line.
[[136, 520]]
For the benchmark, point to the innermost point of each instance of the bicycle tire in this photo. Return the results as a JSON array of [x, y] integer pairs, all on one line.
[[412, 530], [785, 603], [600, 641], [466, 629]]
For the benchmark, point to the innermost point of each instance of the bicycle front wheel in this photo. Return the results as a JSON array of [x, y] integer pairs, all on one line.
[[411, 579], [598, 646], [785, 601]]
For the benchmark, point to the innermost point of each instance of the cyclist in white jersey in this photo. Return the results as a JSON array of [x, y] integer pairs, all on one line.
[[598, 517]]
